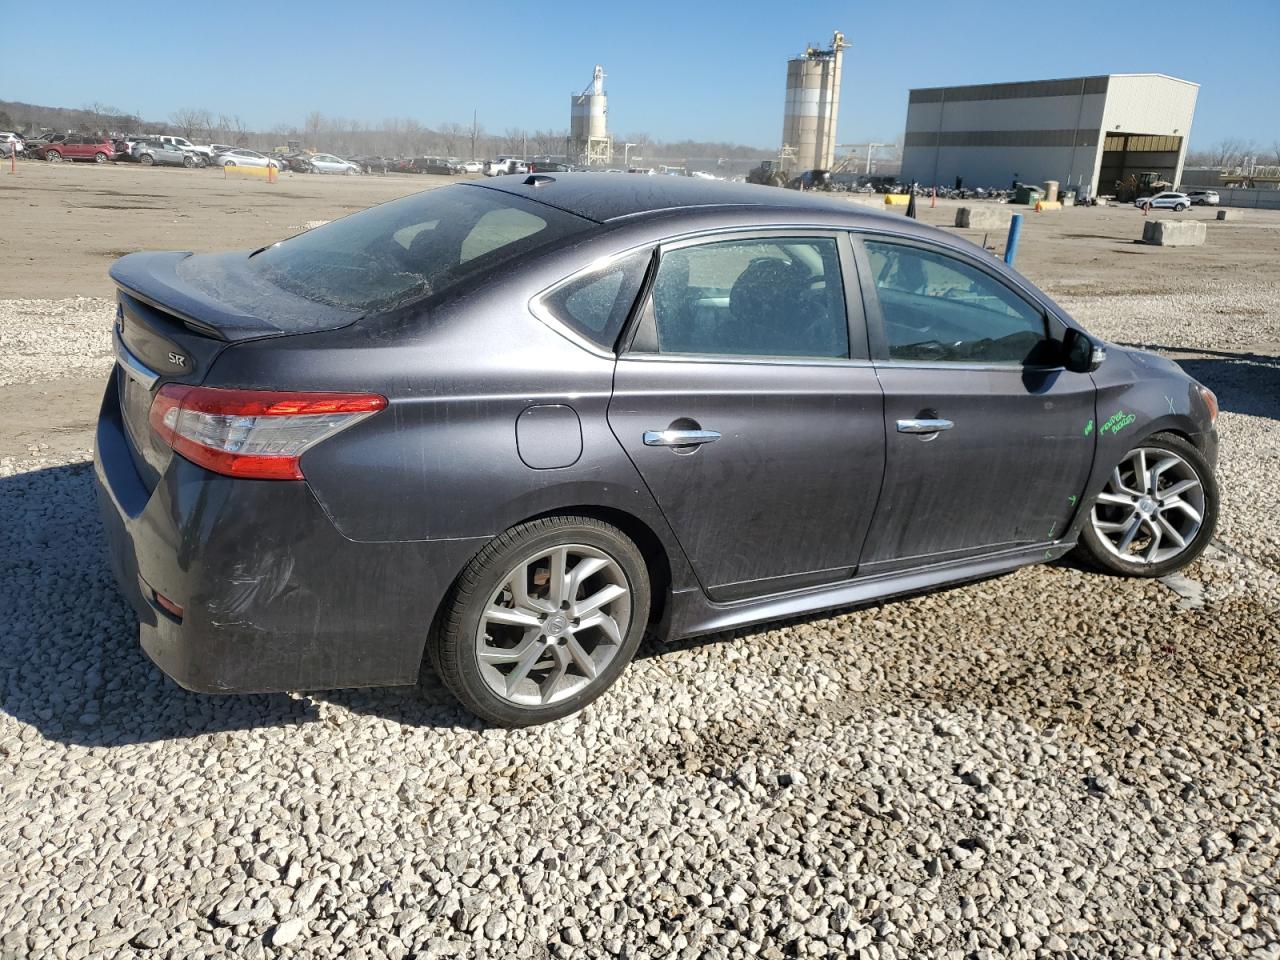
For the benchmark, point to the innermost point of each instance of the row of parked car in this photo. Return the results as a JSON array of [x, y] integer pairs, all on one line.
[[176, 151], [170, 150]]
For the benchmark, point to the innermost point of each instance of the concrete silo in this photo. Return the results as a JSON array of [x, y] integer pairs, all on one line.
[[589, 140], [812, 108]]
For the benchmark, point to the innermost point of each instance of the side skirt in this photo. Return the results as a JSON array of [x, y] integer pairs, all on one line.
[[692, 613]]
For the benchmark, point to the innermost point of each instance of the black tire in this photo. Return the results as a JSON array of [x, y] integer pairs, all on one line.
[[99, 157], [1097, 554], [452, 646], [53, 156], [188, 162], [1178, 208], [146, 159]]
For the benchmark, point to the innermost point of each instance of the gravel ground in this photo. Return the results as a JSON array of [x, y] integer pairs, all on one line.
[[1050, 764]]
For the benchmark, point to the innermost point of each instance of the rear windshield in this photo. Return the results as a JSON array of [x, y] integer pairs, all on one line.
[[411, 248]]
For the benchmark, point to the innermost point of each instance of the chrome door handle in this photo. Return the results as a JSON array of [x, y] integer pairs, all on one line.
[[678, 438], [924, 426]]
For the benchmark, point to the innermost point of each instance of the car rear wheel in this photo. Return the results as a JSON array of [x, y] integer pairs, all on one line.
[[1179, 207], [53, 156], [1157, 512], [543, 620]]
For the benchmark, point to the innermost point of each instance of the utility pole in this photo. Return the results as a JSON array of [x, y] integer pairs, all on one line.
[[475, 129]]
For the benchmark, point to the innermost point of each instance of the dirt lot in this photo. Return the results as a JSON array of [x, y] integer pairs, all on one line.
[[1051, 764]]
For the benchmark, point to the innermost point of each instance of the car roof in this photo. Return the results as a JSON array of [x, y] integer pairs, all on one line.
[[603, 197]]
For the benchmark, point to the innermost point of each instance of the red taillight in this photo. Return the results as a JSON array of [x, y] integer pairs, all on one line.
[[259, 434], [173, 608]]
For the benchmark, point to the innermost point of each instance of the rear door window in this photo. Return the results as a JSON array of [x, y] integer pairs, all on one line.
[[774, 297]]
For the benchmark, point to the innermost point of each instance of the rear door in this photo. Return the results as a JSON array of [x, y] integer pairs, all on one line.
[[747, 403], [990, 440]]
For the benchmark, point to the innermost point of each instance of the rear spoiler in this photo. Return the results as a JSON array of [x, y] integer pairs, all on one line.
[[221, 296]]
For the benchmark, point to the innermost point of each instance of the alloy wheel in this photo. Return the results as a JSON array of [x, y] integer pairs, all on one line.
[[554, 624], [1151, 508]]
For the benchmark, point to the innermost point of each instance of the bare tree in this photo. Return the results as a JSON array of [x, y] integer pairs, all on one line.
[[515, 141], [451, 135], [1226, 153], [548, 142], [193, 122], [313, 126]]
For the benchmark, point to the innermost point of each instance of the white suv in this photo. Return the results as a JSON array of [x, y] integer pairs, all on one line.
[[1169, 200], [496, 168], [182, 143], [1207, 198]]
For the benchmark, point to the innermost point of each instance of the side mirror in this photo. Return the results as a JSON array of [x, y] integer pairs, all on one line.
[[1079, 352]]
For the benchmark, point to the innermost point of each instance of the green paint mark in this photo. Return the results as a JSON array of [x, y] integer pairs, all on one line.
[[1088, 428], [1171, 407], [1072, 499], [1048, 554], [1053, 528], [1119, 420]]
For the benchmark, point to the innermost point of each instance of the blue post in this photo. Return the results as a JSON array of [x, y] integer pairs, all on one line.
[[1011, 245]]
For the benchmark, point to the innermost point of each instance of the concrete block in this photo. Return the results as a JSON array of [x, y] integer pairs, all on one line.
[[1229, 215], [1174, 233], [978, 217]]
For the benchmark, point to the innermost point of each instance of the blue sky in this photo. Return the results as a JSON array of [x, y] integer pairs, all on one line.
[[707, 71]]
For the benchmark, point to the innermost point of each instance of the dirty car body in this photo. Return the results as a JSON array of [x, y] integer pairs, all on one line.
[[617, 349]]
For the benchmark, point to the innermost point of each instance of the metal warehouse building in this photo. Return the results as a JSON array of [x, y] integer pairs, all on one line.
[[1084, 131]]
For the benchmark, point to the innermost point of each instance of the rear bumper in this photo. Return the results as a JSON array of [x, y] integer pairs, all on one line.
[[274, 598]]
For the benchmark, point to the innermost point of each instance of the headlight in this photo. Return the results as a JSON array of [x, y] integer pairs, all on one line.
[[1210, 401]]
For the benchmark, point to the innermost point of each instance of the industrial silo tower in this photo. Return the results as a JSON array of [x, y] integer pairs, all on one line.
[[589, 140], [812, 107]]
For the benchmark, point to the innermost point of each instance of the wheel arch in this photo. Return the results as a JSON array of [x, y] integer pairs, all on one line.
[[657, 561]]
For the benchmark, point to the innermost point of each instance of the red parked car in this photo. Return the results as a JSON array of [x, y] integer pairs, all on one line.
[[97, 149]]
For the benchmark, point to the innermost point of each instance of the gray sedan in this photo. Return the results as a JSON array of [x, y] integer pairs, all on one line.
[[516, 424], [327, 163], [155, 153]]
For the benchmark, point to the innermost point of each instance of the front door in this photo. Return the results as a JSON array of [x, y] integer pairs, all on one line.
[[990, 440], [748, 406]]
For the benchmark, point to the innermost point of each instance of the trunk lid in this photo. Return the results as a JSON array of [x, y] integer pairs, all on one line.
[[176, 312]]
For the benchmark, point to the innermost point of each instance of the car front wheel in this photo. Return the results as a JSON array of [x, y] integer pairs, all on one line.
[[543, 620], [1157, 512], [53, 156]]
